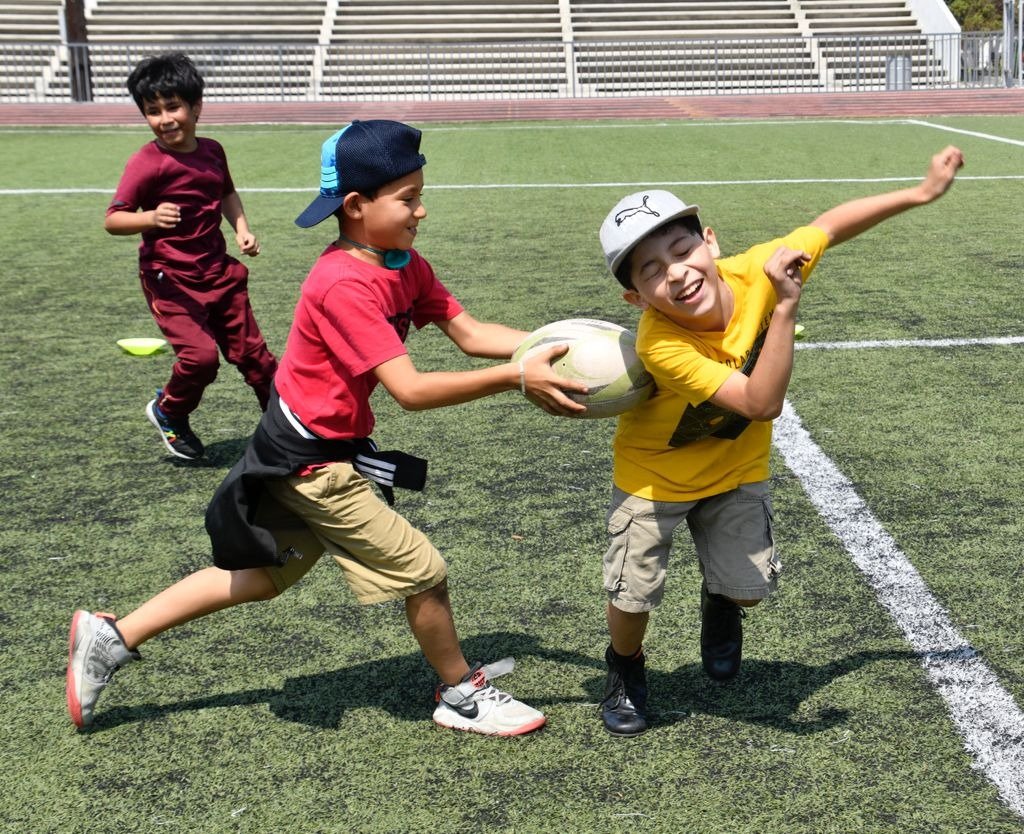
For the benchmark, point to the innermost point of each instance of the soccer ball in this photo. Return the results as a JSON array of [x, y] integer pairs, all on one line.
[[601, 355]]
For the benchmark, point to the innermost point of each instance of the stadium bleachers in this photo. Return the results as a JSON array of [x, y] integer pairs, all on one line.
[[246, 48], [29, 29], [690, 45], [640, 19], [382, 47], [30, 20], [446, 20], [378, 49], [224, 20], [858, 16], [864, 39]]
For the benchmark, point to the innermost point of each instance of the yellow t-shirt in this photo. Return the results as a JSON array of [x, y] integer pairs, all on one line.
[[677, 446]]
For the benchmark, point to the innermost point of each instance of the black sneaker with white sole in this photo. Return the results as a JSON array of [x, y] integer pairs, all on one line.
[[176, 434]]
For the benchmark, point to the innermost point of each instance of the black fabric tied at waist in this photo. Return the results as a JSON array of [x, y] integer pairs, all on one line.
[[276, 450]]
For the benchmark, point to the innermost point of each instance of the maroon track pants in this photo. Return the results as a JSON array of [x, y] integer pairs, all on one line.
[[201, 322]]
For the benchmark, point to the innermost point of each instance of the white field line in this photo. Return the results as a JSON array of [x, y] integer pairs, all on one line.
[[911, 343], [469, 127], [276, 127], [515, 186], [16, 192], [1019, 143], [989, 721], [9, 192]]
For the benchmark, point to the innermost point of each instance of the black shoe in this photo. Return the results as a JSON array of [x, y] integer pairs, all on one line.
[[624, 708], [721, 635], [176, 434]]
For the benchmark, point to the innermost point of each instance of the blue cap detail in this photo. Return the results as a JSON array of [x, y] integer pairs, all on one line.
[[329, 165], [362, 157]]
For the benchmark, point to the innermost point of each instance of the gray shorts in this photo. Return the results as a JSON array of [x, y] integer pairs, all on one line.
[[732, 533]]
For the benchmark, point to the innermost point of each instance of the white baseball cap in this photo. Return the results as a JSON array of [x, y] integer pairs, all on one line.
[[634, 218]]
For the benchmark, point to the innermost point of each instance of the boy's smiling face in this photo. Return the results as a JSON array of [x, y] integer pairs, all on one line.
[[390, 220], [673, 270], [173, 122]]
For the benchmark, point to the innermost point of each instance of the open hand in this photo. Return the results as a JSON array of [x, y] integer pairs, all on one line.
[[546, 389]]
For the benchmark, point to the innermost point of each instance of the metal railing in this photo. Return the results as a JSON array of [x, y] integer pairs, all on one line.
[[365, 71]]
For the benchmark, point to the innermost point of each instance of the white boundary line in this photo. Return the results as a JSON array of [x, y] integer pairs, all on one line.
[[910, 343], [990, 722], [504, 127], [515, 186], [1019, 143], [468, 127], [17, 192]]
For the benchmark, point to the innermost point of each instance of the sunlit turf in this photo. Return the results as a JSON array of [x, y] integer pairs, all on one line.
[[313, 714]]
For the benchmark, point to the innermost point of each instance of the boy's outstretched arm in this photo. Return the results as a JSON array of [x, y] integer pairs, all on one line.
[[488, 340], [850, 219], [416, 391]]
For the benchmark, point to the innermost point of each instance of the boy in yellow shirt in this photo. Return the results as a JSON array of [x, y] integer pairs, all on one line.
[[717, 335]]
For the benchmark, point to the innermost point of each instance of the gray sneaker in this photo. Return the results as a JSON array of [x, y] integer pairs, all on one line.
[[95, 652], [475, 705]]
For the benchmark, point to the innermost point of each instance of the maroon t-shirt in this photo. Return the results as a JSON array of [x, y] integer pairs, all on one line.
[[197, 182]]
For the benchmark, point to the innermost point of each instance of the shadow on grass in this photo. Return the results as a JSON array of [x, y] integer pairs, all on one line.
[[220, 455], [403, 686], [765, 692]]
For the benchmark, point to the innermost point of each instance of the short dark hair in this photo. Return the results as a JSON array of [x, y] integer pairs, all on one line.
[[162, 76], [690, 222]]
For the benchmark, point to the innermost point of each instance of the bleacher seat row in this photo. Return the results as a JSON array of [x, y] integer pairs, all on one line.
[[309, 49]]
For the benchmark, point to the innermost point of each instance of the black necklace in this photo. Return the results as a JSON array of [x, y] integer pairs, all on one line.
[[393, 258]]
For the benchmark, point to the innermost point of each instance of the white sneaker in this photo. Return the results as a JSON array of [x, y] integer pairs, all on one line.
[[478, 707], [95, 652]]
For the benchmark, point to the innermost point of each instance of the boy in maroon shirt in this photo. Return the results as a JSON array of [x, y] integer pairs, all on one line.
[[174, 192]]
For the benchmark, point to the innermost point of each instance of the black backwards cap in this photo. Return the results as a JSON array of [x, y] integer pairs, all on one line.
[[362, 157]]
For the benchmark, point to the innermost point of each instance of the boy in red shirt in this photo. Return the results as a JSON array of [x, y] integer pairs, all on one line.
[[303, 488], [174, 192]]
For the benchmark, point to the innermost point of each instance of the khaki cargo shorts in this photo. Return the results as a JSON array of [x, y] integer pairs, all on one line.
[[732, 533], [336, 511]]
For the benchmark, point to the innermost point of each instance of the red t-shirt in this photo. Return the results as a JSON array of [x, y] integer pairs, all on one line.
[[351, 317], [197, 182]]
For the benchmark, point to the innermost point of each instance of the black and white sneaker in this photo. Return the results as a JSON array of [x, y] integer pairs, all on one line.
[[475, 705], [721, 635], [177, 435]]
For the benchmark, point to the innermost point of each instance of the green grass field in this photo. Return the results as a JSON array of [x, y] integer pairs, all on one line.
[[312, 714]]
